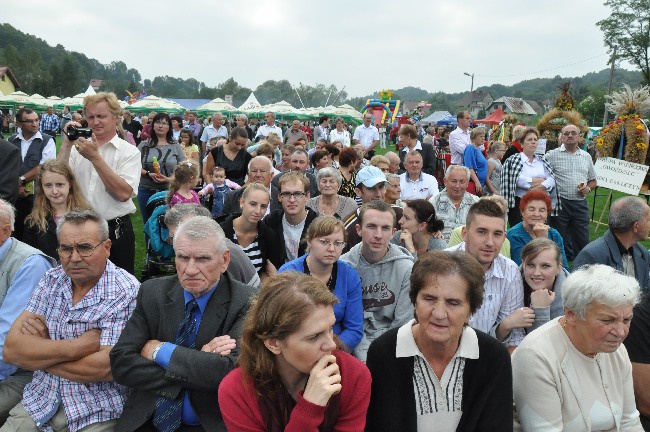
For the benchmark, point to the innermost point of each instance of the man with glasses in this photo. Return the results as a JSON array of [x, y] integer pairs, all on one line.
[[291, 222], [215, 130], [24, 267], [72, 320], [575, 177], [459, 138], [35, 149], [368, 135], [260, 170], [108, 171]]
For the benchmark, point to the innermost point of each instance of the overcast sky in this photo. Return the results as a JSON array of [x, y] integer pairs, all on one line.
[[362, 45]]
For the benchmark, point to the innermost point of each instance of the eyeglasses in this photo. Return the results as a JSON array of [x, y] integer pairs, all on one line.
[[567, 133], [160, 122], [29, 121], [296, 195], [84, 250], [327, 243]]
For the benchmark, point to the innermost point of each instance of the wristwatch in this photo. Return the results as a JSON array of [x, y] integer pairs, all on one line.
[[22, 180]]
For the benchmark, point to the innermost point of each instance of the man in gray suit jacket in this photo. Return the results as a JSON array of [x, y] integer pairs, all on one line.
[[181, 340], [620, 247]]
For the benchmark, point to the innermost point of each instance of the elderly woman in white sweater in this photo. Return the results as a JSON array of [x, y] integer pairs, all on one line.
[[573, 373]]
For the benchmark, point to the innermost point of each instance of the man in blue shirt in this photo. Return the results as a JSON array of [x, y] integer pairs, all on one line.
[[21, 267], [50, 123], [182, 338]]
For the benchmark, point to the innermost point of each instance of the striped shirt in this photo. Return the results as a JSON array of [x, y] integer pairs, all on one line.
[[438, 402], [570, 169], [503, 293], [253, 253], [107, 306]]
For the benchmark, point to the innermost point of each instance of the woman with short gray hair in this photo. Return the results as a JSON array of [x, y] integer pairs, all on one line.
[[329, 202], [574, 370]]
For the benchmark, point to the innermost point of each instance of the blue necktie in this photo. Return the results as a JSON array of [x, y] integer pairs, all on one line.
[[168, 412]]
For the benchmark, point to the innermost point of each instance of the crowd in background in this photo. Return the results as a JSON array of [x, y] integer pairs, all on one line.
[[297, 279]]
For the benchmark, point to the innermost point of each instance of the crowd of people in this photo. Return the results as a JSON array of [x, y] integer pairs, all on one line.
[[317, 285]]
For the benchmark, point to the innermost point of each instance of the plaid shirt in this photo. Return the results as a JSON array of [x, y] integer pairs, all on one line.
[[50, 122], [510, 173], [571, 169], [447, 212], [107, 306]]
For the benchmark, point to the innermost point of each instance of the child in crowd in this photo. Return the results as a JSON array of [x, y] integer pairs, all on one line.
[[493, 181], [190, 149], [56, 193], [219, 187], [181, 188]]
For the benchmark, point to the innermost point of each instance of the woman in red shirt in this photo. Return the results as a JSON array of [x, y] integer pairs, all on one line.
[[291, 376]]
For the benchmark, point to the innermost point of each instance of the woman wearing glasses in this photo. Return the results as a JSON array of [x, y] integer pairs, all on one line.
[[168, 154], [325, 240], [257, 239]]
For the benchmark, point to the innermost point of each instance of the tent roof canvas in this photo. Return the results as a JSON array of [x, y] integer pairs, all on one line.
[[250, 103], [435, 117], [492, 119]]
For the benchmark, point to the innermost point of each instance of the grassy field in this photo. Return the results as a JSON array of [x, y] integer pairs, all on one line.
[[596, 230]]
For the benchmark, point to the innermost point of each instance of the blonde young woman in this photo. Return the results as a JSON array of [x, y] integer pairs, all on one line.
[[56, 193]]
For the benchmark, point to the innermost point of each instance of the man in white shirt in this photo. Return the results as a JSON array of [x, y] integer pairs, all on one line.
[[502, 314], [35, 148], [215, 130], [459, 138], [264, 130], [368, 135], [414, 183], [108, 171]]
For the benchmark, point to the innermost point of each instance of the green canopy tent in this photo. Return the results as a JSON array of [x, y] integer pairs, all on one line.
[[154, 103], [217, 105], [18, 99]]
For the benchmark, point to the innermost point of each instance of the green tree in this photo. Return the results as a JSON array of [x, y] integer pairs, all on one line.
[[628, 28]]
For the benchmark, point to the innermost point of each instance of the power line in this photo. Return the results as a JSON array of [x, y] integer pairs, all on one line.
[[544, 70]]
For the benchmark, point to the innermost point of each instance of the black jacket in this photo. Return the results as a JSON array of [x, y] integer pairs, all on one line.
[[487, 388], [267, 239], [274, 220], [428, 158]]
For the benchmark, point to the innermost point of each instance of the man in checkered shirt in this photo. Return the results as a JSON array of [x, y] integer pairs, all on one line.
[[65, 334], [575, 177]]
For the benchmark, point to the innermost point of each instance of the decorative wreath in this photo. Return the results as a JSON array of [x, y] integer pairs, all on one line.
[[562, 114], [503, 131], [627, 135]]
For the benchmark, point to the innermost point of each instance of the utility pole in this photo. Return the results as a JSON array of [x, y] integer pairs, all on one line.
[[471, 91], [609, 85]]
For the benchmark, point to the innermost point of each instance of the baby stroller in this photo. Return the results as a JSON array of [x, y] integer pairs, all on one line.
[[159, 260]]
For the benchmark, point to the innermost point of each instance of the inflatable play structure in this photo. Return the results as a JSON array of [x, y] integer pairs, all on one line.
[[384, 109]]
